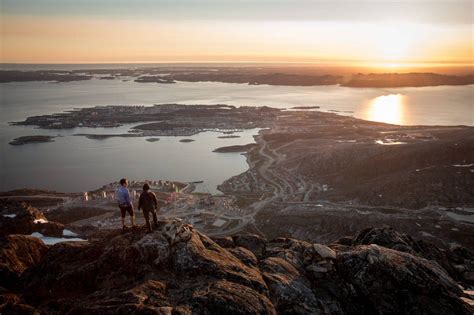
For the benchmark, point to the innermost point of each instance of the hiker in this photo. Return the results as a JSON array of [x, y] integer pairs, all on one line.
[[148, 203], [124, 203]]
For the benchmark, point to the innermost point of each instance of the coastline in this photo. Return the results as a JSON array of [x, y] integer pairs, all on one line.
[[302, 168]]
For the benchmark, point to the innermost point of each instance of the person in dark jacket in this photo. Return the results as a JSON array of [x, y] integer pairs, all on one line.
[[149, 204]]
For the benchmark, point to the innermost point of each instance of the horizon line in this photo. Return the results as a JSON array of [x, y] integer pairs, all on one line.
[[366, 64]]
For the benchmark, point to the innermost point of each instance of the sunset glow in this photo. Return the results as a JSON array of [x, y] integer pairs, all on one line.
[[208, 31], [388, 109]]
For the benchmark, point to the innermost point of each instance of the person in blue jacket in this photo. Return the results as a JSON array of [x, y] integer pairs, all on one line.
[[125, 203]]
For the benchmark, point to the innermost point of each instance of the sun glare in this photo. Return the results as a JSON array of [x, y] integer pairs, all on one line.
[[395, 42], [387, 109]]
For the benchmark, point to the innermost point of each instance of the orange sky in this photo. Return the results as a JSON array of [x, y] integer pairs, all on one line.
[[40, 37]]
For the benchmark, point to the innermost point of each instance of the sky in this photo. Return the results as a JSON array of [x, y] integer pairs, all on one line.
[[386, 33]]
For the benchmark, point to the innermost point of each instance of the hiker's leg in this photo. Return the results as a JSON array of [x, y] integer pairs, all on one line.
[[123, 212], [146, 214], [132, 215], [155, 219]]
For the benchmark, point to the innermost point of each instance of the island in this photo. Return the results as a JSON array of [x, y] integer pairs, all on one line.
[[154, 79], [159, 120], [31, 139], [235, 148], [186, 140], [228, 137], [306, 107], [269, 75], [106, 136], [53, 76], [153, 139]]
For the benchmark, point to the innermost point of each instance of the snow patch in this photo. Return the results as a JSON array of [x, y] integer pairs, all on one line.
[[69, 233], [219, 223], [9, 215], [346, 141], [426, 234], [54, 240], [389, 142]]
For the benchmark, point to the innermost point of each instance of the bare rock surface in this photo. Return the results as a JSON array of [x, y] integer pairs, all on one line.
[[457, 261], [178, 270], [21, 218], [18, 253]]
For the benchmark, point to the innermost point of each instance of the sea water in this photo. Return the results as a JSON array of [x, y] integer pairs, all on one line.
[[73, 163]]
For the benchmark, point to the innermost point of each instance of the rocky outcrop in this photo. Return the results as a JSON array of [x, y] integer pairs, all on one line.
[[457, 261], [390, 281], [178, 270], [18, 253], [21, 218]]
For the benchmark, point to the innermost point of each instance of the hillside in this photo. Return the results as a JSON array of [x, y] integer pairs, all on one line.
[[179, 270]]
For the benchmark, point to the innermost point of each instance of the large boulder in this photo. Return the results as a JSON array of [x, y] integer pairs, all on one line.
[[202, 256], [226, 241], [457, 261], [289, 289], [252, 242], [389, 281], [226, 297], [384, 236], [18, 253], [245, 256], [148, 297]]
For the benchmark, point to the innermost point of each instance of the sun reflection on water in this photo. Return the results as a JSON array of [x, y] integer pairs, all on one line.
[[387, 109]]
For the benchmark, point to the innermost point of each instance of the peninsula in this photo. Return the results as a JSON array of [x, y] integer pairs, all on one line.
[[317, 175]]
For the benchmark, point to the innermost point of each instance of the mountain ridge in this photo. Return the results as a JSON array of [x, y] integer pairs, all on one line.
[[179, 270]]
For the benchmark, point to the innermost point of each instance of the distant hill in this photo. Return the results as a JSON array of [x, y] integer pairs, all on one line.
[[407, 80], [248, 75]]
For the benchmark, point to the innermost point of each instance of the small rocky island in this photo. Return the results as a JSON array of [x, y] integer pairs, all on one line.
[[153, 139], [32, 139], [306, 107], [228, 137], [154, 79]]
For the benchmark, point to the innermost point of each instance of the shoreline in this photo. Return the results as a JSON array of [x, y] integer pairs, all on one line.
[[309, 167]]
